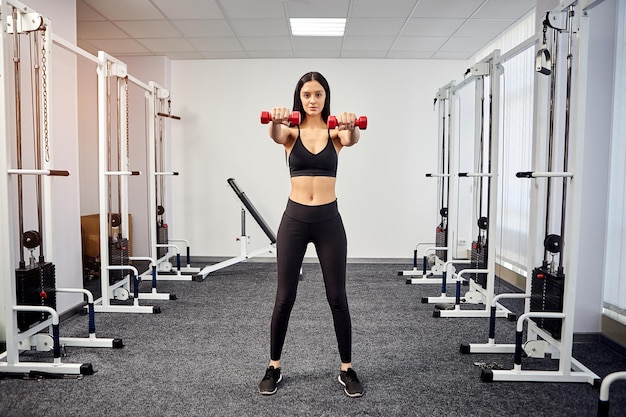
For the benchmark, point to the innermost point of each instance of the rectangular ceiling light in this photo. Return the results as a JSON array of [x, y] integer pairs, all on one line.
[[317, 27]]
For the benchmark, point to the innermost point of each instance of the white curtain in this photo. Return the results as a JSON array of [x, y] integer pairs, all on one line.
[[615, 254]]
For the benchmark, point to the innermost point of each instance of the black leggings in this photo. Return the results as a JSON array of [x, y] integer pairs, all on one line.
[[321, 225]]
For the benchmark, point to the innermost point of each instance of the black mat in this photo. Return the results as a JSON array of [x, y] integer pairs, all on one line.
[[205, 354]]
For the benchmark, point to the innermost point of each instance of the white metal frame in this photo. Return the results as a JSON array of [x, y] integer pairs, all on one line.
[[540, 342], [488, 67], [164, 269], [109, 66], [433, 275], [35, 338]]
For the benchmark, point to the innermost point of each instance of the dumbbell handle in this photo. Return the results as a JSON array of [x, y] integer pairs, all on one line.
[[294, 118], [360, 122]]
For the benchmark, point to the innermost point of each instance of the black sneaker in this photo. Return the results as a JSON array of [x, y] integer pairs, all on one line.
[[353, 387], [268, 385]]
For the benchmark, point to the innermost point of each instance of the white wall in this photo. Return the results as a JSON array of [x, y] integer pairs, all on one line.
[[386, 202]]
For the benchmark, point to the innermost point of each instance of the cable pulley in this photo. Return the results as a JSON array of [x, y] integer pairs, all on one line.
[[553, 243], [31, 239], [116, 220]]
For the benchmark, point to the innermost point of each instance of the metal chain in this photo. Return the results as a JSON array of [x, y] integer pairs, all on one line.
[[127, 122], [44, 82]]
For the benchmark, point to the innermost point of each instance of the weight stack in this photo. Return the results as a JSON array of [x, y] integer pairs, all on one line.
[[479, 261], [161, 239], [118, 255], [35, 286], [441, 240], [546, 295]]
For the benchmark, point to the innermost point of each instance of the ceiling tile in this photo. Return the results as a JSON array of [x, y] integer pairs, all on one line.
[[184, 55], [268, 43], [452, 55], [373, 26], [270, 54], [116, 46], [99, 30], [364, 43], [447, 8], [201, 28], [317, 8], [419, 43], [257, 9], [223, 55], [216, 44], [410, 54], [377, 8], [189, 9], [363, 54], [86, 12], [260, 27], [420, 26], [126, 9], [235, 29], [148, 28], [331, 53], [322, 43], [457, 44], [486, 28], [167, 45], [505, 9]]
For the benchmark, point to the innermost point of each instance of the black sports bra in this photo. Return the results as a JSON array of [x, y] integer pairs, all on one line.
[[303, 162]]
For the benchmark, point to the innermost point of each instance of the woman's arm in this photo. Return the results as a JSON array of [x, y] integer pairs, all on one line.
[[279, 126], [348, 133]]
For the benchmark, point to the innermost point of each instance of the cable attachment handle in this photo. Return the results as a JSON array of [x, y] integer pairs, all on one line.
[[543, 54]]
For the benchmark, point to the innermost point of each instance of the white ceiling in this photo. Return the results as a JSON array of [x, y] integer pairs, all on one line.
[[227, 29]]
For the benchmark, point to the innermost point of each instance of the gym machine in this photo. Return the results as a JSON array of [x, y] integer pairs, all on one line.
[[117, 274], [31, 321], [160, 109], [478, 271], [549, 297], [244, 239], [434, 255]]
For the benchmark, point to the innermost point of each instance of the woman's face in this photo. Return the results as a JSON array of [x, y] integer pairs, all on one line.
[[313, 97]]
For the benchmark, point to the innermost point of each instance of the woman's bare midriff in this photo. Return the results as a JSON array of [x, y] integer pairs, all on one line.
[[313, 191]]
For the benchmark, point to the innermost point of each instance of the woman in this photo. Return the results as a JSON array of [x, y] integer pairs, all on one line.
[[312, 216]]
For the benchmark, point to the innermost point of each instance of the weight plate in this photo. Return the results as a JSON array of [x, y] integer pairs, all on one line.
[[553, 243], [32, 239], [116, 219]]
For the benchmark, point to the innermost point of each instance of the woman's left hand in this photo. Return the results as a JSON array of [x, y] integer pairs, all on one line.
[[345, 121]]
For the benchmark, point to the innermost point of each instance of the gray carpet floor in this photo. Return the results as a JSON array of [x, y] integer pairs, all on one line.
[[205, 354]]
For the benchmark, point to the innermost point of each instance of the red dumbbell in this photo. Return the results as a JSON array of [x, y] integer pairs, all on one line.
[[360, 122], [294, 118]]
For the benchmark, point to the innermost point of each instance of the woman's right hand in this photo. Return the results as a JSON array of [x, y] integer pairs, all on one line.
[[280, 115]]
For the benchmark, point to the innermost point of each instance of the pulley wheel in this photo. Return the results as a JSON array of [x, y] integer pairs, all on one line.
[[431, 260], [32, 239], [483, 223], [160, 210], [116, 219], [443, 212], [553, 243]]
